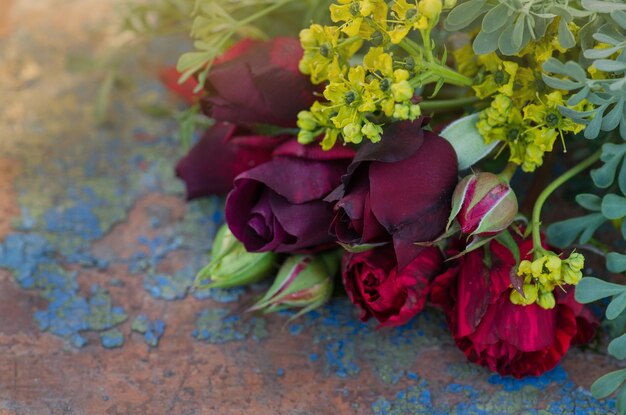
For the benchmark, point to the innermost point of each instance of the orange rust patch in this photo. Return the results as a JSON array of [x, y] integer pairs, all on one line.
[[9, 169], [5, 12]]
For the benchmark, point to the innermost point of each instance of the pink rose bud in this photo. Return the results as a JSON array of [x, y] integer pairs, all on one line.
[[484, 204]]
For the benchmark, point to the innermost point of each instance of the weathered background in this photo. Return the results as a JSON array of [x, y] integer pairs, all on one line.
[[98, 250]]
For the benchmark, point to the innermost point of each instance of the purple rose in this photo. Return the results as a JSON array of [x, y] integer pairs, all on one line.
[[398, 190], [279, 206], [261, 84], [223, 152]]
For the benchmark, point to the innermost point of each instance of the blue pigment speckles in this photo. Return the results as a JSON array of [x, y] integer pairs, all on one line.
[[511, 384], [217, 326], [111, 339], [280, 372], [152, 330], [295, 329], [221, 295], [313, 357]]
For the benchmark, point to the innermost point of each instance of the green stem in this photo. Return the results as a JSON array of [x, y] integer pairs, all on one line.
[[509, 171], [446, 104], [559, 181], [447, 74]]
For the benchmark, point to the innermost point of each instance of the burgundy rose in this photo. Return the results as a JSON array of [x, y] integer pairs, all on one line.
[[392, 296], [398, 190], [261, 84], [278, 206], [507, 338], [223, 152]]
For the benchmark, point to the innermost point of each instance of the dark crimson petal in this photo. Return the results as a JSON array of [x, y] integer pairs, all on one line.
[[307, 222], [212, 164], [472, 293], [586, 321], [237, 50], [298, 180], [528, 328], [421, 200]]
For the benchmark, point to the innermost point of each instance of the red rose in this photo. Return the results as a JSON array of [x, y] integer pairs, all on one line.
[[259, 83], [507, 338], [374, 283], [170, 75], [398, 190], [278, 206], [223, 152]]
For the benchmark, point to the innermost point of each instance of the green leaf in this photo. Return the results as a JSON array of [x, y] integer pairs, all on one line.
[[468, 143], [621, 401], [619, 17], [616, 306], [607, 65], [464, 14], [496, 18], [564, 233], [507, 240], [616, 262], [602, 6], [589, 201], [566, 38], [617, 347], [591, 289], [613, 206], [608, 384]]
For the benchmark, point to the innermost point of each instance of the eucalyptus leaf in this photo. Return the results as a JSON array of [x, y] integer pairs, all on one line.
[[616, 262], [619, 17], [616, 306], [617, 347], [468, 143], [608, 65], [591, 289], [613, 206], [608, 384], [464, 14], [621, 401], [566, 38], [496, 18], [564, 233], [589, 201]]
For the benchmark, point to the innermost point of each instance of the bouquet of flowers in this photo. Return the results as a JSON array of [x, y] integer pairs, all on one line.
[[384, 149]]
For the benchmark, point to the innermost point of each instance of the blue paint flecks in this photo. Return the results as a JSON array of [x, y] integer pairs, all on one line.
[[152, 330], [112, 339], [217, 325]]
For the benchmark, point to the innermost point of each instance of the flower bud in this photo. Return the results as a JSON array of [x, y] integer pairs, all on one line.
[[448, 4], [430, 8], [231, 265], [303, 281], [484, 204]]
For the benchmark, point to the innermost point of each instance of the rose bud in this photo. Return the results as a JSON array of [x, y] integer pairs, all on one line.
[[511, 339], [223, 152], [260, 84], [303, 281], [279, 206], [374, 283], [231, 265], [398, 190], [484, 204]]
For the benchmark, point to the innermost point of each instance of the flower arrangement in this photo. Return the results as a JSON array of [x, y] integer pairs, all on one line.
[[384, 148]]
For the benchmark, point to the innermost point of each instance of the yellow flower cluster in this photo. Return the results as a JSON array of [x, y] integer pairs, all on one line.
[[523, 111], [543, 275], [360, 98]]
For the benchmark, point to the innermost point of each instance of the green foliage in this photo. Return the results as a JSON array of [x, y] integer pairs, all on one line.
[[467, 141], [509, 25], [157, 17], [217, 24], [603, 39]]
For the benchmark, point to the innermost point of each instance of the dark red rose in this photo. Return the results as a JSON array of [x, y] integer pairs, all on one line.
[[507, 338], [398, 190], [187, 90], [223, 152], [374, 283], [278, 206], [260, 85]]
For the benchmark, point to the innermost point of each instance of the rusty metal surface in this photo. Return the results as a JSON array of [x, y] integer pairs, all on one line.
[[98, 250]]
